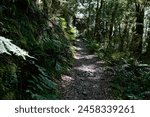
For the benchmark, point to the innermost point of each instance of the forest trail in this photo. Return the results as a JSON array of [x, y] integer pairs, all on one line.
[[87, 79]]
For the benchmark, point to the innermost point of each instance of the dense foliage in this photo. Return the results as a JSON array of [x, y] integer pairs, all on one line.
[[36, 38], [43, 36], [118, 32]]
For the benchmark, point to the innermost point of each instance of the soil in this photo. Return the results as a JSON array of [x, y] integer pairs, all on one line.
[[87, 79]]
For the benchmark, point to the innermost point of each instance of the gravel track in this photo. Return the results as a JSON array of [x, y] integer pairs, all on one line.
[[87, 79]]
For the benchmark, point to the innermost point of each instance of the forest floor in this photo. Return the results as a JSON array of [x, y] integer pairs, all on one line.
[[87, 79]]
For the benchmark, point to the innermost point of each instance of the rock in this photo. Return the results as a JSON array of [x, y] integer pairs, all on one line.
[[84, 93]]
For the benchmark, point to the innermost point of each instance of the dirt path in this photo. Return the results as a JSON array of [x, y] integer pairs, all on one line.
[[87, 80]]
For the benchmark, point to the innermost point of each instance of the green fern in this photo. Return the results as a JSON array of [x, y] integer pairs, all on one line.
[[37, 83], [7, 47]]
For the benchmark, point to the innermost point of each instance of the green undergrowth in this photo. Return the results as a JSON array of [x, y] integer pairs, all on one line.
[[130, 78], [92, 45], [45, 40]]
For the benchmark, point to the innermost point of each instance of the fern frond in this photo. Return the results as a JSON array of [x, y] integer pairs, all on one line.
[[7, 47]]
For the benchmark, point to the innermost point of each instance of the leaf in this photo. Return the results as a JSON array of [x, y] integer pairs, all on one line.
[[143, 65], [3, 49], [6, 47], [40, 86]]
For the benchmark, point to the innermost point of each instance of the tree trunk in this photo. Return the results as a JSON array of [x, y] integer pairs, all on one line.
[[97, 32], [112, 23], [139, 27], [136, 45], [89, 19]]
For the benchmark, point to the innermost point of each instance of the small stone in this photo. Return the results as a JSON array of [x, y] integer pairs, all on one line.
[[84, 93]]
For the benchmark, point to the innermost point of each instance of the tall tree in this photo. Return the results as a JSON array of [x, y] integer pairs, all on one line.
[[136, 45]]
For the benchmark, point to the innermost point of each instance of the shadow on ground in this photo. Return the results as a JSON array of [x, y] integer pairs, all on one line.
[[87, 79]]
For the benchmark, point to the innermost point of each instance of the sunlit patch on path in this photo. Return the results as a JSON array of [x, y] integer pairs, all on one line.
[[87, 79]]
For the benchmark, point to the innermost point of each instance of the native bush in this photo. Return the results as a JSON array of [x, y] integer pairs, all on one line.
[[131, 79], [47, 43]]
